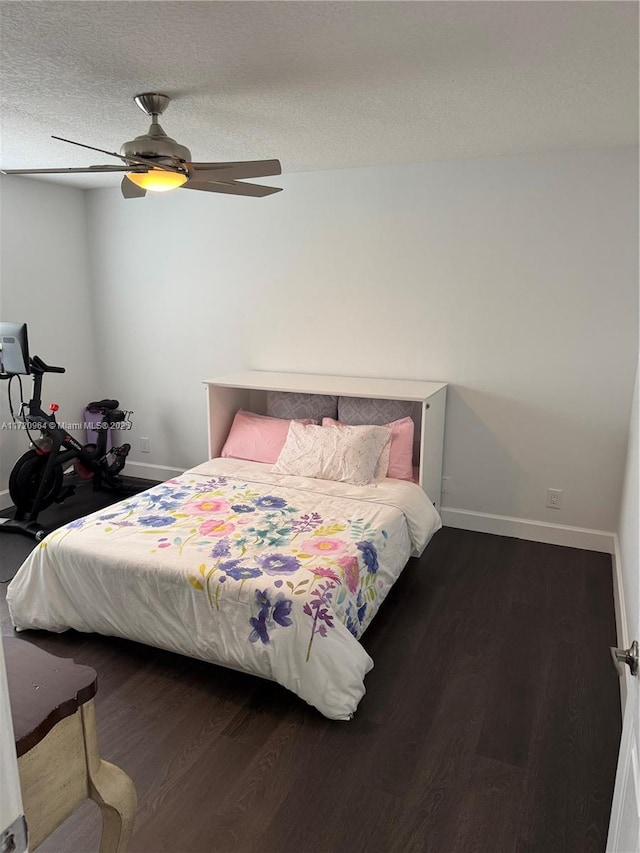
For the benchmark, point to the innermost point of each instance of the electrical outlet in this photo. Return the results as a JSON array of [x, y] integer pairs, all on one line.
[[554, 498], [145, 445], [446, 485]]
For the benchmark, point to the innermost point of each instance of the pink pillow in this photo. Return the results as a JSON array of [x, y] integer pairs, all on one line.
[[401, 453], [257, 438]]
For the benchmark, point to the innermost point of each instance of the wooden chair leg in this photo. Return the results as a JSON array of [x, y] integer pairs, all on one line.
[[110, 788]]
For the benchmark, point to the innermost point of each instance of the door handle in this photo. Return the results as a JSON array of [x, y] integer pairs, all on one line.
[[628, 656]]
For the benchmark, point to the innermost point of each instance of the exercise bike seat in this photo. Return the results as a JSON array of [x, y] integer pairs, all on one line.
[[103, 404]]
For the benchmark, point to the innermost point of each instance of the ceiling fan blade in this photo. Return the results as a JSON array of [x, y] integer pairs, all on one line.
[[235, 170], [70, 171], [131, 190], [132, 167], [232, 188], [162, 166], [90, 147]]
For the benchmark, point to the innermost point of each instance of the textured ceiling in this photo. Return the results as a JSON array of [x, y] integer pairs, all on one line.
[[321, 85]]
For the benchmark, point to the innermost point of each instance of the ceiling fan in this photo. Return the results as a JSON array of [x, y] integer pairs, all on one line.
[[156, 162]]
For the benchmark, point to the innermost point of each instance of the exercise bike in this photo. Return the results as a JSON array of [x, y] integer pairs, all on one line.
[[38, 478]]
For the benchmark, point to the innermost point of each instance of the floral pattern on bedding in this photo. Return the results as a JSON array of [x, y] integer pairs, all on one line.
[[242, 542]]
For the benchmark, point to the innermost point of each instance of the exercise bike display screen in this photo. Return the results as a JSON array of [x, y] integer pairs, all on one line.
[[14, 349]]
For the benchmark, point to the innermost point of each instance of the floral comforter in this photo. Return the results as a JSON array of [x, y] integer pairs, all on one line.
[[273, 575]]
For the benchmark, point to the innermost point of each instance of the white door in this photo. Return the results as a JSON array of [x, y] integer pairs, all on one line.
[[624, 829], [12, 835]]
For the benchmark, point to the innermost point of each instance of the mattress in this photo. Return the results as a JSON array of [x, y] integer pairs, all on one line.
[[272, 575]]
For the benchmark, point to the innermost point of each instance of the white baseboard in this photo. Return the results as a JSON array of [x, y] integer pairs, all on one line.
[[534, 531], [148, 471]]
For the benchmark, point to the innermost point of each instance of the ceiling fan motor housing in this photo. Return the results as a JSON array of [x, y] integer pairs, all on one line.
[[155, 142]]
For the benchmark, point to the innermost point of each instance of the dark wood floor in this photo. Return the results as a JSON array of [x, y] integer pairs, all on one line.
[[490, 725]]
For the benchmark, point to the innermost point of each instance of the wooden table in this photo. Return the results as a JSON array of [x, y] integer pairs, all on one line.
[[55, 731]]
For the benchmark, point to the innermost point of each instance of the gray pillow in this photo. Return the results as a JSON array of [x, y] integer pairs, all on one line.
[[288, 404], [364, 410]]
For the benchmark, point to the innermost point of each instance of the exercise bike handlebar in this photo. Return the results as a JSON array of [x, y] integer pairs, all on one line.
[[38, 365]]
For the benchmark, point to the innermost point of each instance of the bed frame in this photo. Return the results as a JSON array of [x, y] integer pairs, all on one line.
[[248, 391]]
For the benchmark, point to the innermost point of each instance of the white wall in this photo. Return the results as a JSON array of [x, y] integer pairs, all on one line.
[[513, 279], [44, 281]]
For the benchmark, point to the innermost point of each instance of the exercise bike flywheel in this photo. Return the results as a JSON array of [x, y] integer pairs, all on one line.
[[25, 479]]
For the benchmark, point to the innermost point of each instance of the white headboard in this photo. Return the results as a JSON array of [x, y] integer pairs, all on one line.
[[248, 391]]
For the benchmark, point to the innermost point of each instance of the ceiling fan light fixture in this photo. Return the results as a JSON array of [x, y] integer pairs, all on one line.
[[157, 180]]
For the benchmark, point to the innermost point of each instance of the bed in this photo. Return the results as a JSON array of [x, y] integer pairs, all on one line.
[[273, 574]]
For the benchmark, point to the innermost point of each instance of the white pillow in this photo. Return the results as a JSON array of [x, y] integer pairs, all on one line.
[[348, 454], [382, 465]]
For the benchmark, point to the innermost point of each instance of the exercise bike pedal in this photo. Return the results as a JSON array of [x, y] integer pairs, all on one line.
[[120, 456]]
